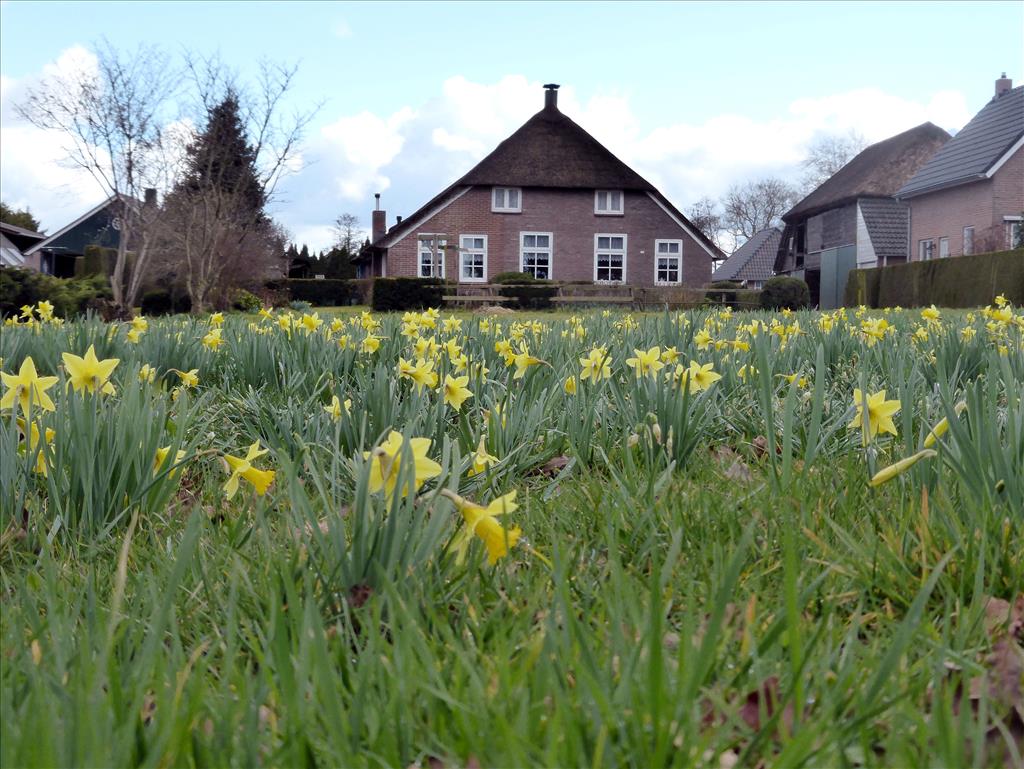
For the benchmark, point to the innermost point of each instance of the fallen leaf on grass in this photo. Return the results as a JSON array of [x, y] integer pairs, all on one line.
[[1003, 617], [553, 466], [738, 471]]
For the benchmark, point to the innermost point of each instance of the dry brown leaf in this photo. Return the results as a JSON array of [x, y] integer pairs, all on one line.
[[553, 466], [766, 699], [738, 471], [1002, 617]]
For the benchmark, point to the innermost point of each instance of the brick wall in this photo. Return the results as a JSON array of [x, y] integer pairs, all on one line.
[[981, 205], [569, 216]]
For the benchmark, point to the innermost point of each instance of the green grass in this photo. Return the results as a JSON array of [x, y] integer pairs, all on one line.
[[739, 596]]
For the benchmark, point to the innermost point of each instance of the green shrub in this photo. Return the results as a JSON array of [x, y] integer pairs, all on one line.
[[535, 295], [961, 281], [98, 260], [161, 301], [400, 294], [726, 297], [748, 299], [69, 296], [783, 292], [325, 292], [245, 301], [513, 277]]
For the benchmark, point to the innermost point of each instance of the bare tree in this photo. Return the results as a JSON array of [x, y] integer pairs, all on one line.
[[755, 206], [112, 118], [827, 155], [216, 233], [346, 232], [707, 217]]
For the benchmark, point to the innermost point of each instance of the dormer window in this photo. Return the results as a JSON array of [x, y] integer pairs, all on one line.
[[507, 200], [608, 202]]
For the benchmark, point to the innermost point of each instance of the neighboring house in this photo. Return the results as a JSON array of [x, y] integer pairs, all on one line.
[[550, 200], [853, 219], [56, 254], [14, 241], [969, 197], [752, 263]]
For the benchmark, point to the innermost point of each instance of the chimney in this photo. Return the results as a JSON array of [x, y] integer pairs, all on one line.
[[398, 220], [551, 96], [1003, 85], [150, 196], [380, 221]]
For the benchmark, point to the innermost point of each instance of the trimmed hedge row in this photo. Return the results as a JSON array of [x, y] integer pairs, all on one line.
[[960, 281], [323, 292], [536, 295], [400, 294], [69, 296]]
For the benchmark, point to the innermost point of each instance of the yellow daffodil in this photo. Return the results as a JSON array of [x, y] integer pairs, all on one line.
[[89, 373], [140, 324], [569, 385], [370, 344], [702, 339], [133, 335], [188, 378], [879, 415], [45, 310], [455, 391], [337, 407], [266, 314], [213, 339], [746, 370], [697, 377], [241, 467], [931, 314], [311, 322], [26, 386], [481, 459], [942, 425], [387, 461], [890, 472], [483, 522], [33, 441], [646, 363], [147, 374], [161, 459], [217, 319], [596, 366], [523, 361]]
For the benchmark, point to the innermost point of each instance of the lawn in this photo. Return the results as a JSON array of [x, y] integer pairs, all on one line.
[[597, 539]]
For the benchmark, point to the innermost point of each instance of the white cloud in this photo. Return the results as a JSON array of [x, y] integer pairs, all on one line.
[[415, 151], [342, 29]]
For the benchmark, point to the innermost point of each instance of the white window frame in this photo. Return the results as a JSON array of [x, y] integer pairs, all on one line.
[[536, 249], [943, 248], [435, 239], [624, 251], [968, 238], [463, 251], [1009, 223], [925, 252], [504, 208], [678, 257], [609, 211]]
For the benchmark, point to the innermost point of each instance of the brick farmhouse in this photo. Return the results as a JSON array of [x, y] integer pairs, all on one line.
[[969, 197], [550, 201]]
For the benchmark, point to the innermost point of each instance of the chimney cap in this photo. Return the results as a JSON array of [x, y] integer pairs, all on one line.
[[556, 86]]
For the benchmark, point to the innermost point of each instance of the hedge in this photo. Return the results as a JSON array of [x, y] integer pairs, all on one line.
[[69, 296], [325, 292], [391, 294], [960, 281], [160, 301], [783, 292], [536, 295]]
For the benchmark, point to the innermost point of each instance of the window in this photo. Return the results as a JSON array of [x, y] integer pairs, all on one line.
[[535, 254], [1014, 232], [473, 258], [968, 241], [508, 200], [925, 250], [943, 248], [668, 262], [608, 202], [431, 256], [610, 258]]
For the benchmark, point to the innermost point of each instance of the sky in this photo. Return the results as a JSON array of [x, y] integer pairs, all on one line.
[[695, 96]]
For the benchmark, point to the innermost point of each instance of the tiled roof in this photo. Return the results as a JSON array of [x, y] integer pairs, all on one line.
[[878, 171], [754, 260], [975, 149], [887, 223]]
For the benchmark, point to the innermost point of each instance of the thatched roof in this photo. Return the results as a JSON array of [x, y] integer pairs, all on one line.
[[548, 150], [970, 154], [877, 172]]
